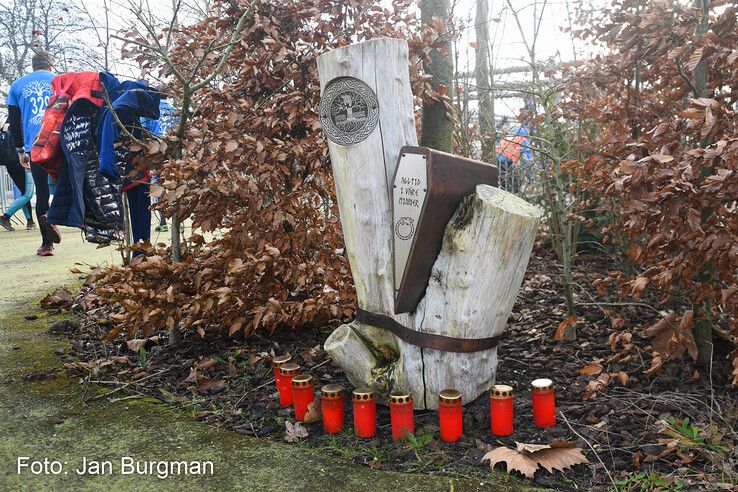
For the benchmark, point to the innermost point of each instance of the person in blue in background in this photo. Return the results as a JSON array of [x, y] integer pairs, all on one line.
[[27, 100], [159, 127]]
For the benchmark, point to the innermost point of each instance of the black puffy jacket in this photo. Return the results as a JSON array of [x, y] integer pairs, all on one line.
[[84, 198]]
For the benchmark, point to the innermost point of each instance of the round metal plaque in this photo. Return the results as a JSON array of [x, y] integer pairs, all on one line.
[[349, 111]]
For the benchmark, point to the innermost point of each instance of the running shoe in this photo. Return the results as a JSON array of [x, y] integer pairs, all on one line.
[[45, 250], [5, 222], [30, 225]]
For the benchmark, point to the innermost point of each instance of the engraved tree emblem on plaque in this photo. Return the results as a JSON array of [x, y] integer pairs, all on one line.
[[349, 111]]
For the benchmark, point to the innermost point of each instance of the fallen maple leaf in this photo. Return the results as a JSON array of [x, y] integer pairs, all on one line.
[[526, 458], [293, 432], [313, 412]]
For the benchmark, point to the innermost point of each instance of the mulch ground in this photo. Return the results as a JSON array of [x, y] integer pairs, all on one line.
[[625, 426]]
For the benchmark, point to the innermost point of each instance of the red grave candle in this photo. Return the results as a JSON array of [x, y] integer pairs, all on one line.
[[303, 392], [365, 413], [449, 414], [331, 396], [279, 361], [401, 415], [501, 410], [544, 402], [284, 383]]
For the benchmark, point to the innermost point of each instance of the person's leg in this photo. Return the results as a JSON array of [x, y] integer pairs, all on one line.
[[29, 217], [18, 175], [54, 234], [19, 203], [41, 180], [139, 204]]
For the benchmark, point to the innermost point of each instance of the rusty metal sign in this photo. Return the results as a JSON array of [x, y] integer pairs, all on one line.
[[428, 187], [349, 110]]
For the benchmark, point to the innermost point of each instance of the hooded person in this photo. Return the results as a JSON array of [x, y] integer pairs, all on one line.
[[131, 101]]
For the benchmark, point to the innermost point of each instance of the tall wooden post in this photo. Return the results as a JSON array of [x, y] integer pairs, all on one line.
[[363, 172]]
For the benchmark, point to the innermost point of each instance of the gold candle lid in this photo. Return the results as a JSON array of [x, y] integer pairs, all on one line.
[[302, 381], [363, 394], [331, 391], [542, 384], [500, 391], [281, 359], [289, 369], [449, 396], [400, 398]]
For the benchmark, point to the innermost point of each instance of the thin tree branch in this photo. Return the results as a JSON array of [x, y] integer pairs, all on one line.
[[224, 58]]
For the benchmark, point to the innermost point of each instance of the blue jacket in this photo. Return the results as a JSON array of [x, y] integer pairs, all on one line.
[[131, 101]]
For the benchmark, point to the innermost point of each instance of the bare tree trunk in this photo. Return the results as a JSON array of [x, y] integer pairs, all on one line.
[[703, 309], [438, 128], [484, 86]]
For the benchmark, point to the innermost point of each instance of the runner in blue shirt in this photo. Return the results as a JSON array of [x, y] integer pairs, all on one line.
[[27, 100]]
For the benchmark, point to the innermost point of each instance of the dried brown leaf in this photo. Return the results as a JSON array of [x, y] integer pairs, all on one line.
[[294, 432], [210, 385], [591, 369], [313, 412], [60, 298], [527, 458]]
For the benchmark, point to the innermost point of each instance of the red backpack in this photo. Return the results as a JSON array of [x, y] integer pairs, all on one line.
[[66, 89]]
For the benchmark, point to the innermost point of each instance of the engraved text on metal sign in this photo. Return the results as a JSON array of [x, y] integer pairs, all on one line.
[[349, 110], [408, 195]]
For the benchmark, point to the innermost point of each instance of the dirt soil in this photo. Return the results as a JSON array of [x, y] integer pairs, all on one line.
[[628, 424]]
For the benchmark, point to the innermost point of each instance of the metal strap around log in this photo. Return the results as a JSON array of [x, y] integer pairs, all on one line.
[[427, 340]]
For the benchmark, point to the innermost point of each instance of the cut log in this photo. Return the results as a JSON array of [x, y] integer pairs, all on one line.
[[475, 278], [473, 287]]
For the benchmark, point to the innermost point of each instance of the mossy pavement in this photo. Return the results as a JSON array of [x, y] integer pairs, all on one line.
[[43, 413]]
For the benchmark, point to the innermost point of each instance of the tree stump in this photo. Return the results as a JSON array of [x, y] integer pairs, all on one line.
[[369, 117]]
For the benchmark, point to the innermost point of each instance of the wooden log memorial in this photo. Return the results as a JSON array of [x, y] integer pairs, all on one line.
[[437, 254]]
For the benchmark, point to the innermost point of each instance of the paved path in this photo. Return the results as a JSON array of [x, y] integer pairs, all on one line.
[[43, 414]]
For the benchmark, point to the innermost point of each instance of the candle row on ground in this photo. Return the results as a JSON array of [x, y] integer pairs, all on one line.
[[298, 390]]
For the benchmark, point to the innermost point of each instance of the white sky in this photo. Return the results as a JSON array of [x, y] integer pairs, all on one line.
[[508, 46], [508, 49]]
